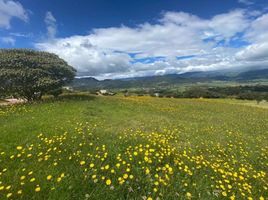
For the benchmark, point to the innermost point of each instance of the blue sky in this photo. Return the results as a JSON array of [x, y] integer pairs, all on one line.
[[120, 38]]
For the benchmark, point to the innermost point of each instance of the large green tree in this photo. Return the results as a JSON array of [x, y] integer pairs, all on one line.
[[29, 74]]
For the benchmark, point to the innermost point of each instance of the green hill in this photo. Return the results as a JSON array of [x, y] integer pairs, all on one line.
[[170, 80]]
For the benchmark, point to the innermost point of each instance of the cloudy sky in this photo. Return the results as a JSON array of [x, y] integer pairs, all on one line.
[[121, 38]]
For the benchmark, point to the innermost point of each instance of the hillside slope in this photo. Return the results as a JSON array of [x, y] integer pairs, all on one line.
[[169, 80]]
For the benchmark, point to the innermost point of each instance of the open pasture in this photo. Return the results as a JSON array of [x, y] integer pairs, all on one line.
[[133, 148]]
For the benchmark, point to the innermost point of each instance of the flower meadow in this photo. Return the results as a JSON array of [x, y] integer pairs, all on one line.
[[141, 156]]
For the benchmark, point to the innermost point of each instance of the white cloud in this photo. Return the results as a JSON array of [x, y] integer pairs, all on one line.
[[8, 40], [258, 29], [51, 24], [122, 51], [257, 35], [22, 35], [255, 52], [229, 24], [246, 2], [11, 9]]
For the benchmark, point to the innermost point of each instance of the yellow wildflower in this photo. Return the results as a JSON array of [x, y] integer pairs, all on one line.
[[9, 195], [188, 195], [224, 193], [32, 180], [37, 189], [82, 162], [19, 147], [108, 182], [49, 177]]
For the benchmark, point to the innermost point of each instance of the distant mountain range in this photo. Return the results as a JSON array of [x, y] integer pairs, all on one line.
[[168, 80]]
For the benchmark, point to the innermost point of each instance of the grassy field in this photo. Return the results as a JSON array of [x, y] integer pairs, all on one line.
[[133, 148]]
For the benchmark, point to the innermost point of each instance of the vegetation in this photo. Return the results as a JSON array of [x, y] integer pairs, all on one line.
[[174, 81], [29, 74], [248, 92], [88, 147], [250, 85]]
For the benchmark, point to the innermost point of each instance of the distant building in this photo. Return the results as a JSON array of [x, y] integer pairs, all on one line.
[[105, 92], [156, 94], [68, 88]]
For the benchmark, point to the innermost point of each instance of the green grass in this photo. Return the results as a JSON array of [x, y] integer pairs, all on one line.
[[166, 148]]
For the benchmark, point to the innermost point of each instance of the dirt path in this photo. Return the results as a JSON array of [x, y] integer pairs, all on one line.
[[11, 102]]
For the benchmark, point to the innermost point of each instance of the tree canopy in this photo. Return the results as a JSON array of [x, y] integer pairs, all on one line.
[[29, 74]]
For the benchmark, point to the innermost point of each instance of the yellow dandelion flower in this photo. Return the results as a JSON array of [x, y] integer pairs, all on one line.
[[8, 187], [146, 158], [188, 195], [108, 182], [107, 167], [19, 147], [94, 176], [9, 195], [82, 162], [49, 177], [37, 189], [125, 176], [232, 197], [32, 179]]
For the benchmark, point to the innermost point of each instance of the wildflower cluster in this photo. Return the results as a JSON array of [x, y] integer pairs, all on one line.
[[151, 165]]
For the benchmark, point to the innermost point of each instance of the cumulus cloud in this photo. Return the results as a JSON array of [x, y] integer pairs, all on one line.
[[257, 35], [51, 24], [258, 29], [11, 9], [178, 42]]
